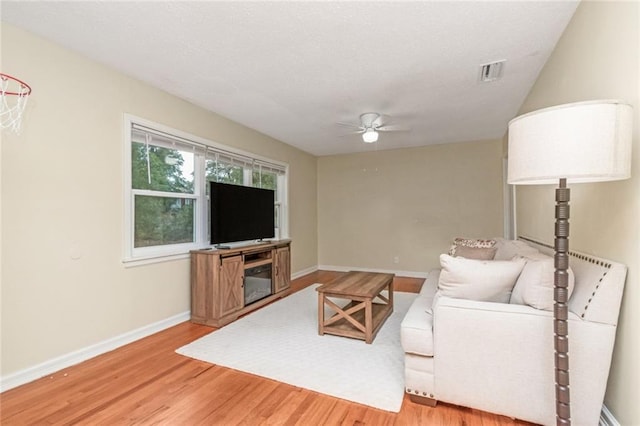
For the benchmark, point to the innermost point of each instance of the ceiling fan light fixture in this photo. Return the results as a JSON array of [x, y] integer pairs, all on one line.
[[370, 135]]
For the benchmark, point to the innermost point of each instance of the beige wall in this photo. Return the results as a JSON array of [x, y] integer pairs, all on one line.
[[598, 58], [407, 203], [62, 196]]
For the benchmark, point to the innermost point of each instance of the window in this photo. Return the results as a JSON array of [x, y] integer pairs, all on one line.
[[166, 188]]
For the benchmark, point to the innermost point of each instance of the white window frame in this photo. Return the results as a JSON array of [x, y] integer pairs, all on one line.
[[133, 256]]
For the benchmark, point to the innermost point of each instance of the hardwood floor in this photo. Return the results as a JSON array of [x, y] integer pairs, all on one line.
[[146, 382]]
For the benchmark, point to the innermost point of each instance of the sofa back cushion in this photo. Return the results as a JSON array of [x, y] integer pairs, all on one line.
[[508, 249], [482, 280], [534, 286], [599, 285]]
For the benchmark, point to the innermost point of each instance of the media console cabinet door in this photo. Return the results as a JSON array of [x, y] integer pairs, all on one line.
[[283, 269], [203, 273], [231, 284]]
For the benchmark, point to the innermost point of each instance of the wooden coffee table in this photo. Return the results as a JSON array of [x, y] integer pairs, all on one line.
[[367, 310]]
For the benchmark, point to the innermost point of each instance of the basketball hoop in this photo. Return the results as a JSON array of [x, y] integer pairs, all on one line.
[[14, 94]]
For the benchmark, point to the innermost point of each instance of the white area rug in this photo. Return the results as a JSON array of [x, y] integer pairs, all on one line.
[[281, 342]]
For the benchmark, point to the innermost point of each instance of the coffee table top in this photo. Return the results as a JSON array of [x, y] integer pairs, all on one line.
[[355, 283]]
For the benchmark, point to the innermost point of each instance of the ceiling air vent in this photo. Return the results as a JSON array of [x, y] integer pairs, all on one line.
[[492, 71]]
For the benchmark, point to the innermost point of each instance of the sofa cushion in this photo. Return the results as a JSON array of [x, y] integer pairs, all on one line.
[[482, 280], [534, 286]]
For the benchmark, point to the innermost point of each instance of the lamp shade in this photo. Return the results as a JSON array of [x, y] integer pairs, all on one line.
[[582, 142]]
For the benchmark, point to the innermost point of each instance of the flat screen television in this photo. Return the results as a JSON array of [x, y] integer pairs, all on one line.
[[240, 213]]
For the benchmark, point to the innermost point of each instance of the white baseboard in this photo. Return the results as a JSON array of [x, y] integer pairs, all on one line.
[[410, 274], [304, 272], [606, 418], [56, 364]]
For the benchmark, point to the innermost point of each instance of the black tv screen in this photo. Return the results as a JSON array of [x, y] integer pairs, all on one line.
[[240, 213]]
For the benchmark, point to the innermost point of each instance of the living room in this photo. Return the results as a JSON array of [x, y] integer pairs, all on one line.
[[66, 293]]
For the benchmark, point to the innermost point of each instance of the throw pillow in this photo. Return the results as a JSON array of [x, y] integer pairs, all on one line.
[[470, 242], [534, 286], [482, 280], [481, 253]]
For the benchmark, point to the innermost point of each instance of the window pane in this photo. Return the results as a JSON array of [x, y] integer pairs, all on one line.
[[265, 180], [217, 171], [163, 169], [163, 220]]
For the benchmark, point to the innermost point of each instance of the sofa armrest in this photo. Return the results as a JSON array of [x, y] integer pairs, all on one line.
[[500, 358]]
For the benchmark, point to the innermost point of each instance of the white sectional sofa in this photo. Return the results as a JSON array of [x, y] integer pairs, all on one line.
[[499, 357]]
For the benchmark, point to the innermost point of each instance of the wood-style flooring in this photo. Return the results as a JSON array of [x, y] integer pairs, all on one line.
[[147, 383]]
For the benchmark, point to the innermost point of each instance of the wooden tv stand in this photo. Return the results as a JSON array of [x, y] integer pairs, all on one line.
[[218, 280]]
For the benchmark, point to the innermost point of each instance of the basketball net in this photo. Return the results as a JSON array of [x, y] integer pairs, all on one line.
[[14, 94]]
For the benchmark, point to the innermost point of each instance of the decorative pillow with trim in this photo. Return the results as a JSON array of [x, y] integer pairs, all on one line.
[[482, 280], [480, 253], [470, 242]]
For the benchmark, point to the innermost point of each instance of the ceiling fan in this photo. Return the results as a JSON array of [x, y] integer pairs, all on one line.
[[370, 124]]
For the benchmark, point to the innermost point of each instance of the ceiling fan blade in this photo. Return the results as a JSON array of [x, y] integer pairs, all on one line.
[[355, 132], [350, 125], [392, 128]]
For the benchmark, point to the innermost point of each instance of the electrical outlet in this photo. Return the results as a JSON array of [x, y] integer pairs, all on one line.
[[396, 259]]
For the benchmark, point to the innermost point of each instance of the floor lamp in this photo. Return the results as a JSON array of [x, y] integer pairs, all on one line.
[[578, 142]]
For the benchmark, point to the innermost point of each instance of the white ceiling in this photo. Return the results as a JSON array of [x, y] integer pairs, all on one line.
[[292, 70]]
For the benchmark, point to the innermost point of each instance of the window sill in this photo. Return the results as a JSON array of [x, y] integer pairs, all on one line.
[[141, 261]]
